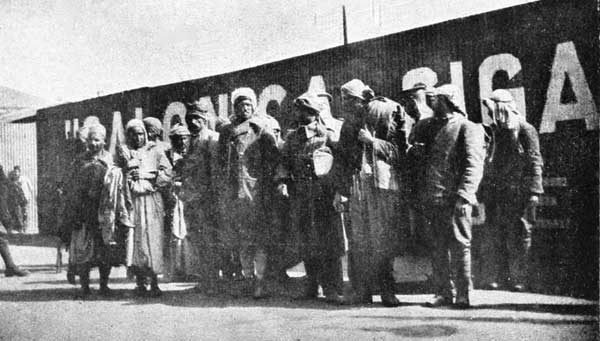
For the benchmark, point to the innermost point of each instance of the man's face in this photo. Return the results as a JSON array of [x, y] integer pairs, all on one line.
[[352, 107], [196, 124], [244, 109], [95, 142], [17, 172], [410, 105], [306, 116], [180, 143], [432, 101], [137, 137]]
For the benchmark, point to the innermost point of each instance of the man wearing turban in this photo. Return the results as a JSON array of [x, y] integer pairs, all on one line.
[[146, 170], [303, 175], [453, 150], [510, 190], [92, 222], [175, 224]]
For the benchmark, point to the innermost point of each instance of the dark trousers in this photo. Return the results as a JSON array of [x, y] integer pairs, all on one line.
[[324, 271], [451, 251], [507, 241], [84, 275], [5, 253]]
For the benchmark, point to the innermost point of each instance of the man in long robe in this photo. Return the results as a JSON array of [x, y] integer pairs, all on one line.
[[175, 223], [147, 169], [248, 154], [370, 155], [303, 175], [200, 195], [93, 224]]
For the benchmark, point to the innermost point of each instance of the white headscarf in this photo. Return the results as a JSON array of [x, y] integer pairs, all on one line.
[[356, 88], [503, 109], [243, 93]]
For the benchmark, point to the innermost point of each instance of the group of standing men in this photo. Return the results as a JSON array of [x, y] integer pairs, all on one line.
[[250, 204]]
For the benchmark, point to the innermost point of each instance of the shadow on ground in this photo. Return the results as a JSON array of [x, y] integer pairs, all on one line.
[[491, 319], [280, 295]]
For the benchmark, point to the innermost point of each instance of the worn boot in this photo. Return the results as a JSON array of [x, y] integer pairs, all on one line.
[[154, 289], [311, 288], [332, 296], [11, 268], [388, 298], [140, 288], [84, 281], [104, 274]]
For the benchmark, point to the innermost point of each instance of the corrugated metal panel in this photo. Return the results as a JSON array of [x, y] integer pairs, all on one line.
[[17, 115], [18, 147]]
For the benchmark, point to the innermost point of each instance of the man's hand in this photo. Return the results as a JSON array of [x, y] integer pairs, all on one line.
[[531, 208], [135, 174], [282, 189], [462, 207], [339, 202], [365, 136]]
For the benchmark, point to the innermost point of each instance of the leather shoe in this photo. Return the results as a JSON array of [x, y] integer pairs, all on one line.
[[105, 291], [311, 290], [71, 277], [155, 292], [389, 300], [140, 291], [16, 272], [439, 301], [332, 297]]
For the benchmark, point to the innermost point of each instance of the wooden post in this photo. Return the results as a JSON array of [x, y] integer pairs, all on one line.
[[345, 26]]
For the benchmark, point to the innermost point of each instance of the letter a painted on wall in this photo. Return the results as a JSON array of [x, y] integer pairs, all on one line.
[[566, 64]]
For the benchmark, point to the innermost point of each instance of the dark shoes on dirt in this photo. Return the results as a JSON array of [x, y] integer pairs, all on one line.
[[15, 272]]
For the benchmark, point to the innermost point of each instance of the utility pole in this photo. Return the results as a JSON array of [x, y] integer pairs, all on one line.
[[345, 26]]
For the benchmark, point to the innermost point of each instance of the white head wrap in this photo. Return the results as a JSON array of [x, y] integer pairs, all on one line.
[[243, 93]]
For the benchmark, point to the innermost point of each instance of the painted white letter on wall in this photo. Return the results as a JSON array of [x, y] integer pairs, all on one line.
[[117, 133], [173, 109], [487, 69], [273, 92], [566, 64]]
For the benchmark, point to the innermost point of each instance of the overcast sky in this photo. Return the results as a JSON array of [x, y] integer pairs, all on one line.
[[67, 50]]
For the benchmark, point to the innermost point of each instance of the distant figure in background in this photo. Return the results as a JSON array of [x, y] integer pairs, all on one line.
[[25, 183], [11, 269], [510, 190], [17, 202]]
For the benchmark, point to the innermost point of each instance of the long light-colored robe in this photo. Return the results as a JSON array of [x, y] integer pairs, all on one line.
[[145, 250]]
